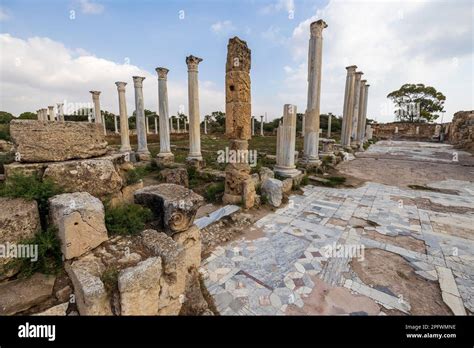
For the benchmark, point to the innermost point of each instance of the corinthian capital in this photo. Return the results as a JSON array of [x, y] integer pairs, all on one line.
[[193, 62], [317, 27], [162, 73]]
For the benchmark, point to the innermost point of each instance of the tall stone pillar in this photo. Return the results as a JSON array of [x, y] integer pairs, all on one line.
[[261, 125], [366, 97], [253, 126], [286, 140], [96, 101], [142, 146], [124, 131], [115, 124], [360, 118], [194, 156], [45, 114], [348, 107], [355, 113], [156, 125], [178, 130], [302, 125], [165, 154], [329, 125], [60, 107], [239, 187], [205, 125], [315, 54], [171, 125], [52, 114]]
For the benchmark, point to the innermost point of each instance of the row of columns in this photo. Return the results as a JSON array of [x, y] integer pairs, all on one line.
[[286, 140], [253, 126], [49, 114], [355, 109]]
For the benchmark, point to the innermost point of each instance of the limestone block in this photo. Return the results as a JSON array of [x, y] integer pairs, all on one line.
[[43, 141], [287, 185], [59, 310], [178, 176], [98, 177], [79, 218], [190, 240], [22, 294], [90, 294], [174, 206], [272, 189], [125, 195], [19, 221], [266, 173], [26, 169], [139, 288]]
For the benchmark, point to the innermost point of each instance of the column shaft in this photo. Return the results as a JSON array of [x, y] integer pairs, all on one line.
[[124, 131]]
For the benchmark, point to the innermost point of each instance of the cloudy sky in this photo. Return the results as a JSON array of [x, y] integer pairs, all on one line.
[[57, 51]]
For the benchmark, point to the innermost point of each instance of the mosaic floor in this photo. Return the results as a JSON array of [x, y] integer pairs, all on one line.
[[299, 245]]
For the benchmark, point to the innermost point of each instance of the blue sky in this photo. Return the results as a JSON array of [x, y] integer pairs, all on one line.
[[50, 57]]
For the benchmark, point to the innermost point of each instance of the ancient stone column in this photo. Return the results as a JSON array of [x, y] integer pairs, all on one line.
[[205, 125], [253, 126], [261, 125], [60, 107], [45, 114], [417, 130], [124, 131], [329, 125], [239, 187], [368, 130], [364, 121], [348, 109], [165, 154], [360, 119], [115, 124], [156, 125], [95, 100], [302, 125], [142, 148], [315, 54], [178, 128], [286, 140], [194, 156], [52, 114], [171, 125], [355, 112]]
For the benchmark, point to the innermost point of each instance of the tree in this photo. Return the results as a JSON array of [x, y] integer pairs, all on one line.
[[27, 116], [416, 102], [5, 117]]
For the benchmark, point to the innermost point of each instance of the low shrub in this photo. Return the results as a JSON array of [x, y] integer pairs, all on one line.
[[126, 219], [214, 192]]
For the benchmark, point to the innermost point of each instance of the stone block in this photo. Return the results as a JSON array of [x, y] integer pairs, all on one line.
[[178, 176], [79, 218], [272, 189]]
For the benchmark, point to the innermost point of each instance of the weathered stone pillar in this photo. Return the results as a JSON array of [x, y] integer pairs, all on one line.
[[171, 125], [95, 100], [253, 126], [369, 130], [348, 109], [417, 130], [142, 146], [156, 125], [315, 54], [360, 119], [45, 114], [239, 186], [286, 140], [329, 124], [194, 156], [147, 123], [302, 125], [364, 121], [205, 125], [178, 128], [60, 107], [261, 125], [165, 154], [124, 131], [52, 114], [115, 124], [355, 113]]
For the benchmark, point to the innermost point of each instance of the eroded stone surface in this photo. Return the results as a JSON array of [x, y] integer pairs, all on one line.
[[272, 189]]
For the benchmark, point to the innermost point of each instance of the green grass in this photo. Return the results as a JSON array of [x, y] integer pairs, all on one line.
[[214, 192], [126, 219], [333, 181], [49, 255]]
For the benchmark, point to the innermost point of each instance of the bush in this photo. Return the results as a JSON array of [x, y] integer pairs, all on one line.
[[126, 218], [5, 132], [135, 175], [30, 187], [49, 255], [214, 192]]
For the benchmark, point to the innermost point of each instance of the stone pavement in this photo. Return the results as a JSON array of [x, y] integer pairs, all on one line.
[[315, 237]]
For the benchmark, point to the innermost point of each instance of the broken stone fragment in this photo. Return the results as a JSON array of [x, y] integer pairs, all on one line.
[[173, 206], [22, 294], [178, 176], [139, 288], [272, 189], [43, 141], [190, 240], [90, 293], [79, 218], [59, 310]]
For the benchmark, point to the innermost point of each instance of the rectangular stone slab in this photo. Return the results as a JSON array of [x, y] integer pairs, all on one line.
[[46, 141]]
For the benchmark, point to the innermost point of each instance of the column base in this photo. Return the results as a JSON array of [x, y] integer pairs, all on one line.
[[232, 199], [310, 162], [286, 172], [164, 158], [125, 148], [195, 162], [143, 156]]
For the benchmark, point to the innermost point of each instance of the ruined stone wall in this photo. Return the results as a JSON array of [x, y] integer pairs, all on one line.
[[406, 130], [461, 132]]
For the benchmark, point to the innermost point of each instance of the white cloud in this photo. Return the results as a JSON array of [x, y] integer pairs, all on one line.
[[393, 43], [287, 5], [4, 15], [223, 27], [38, 72], [273, 35], [90, 7]]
